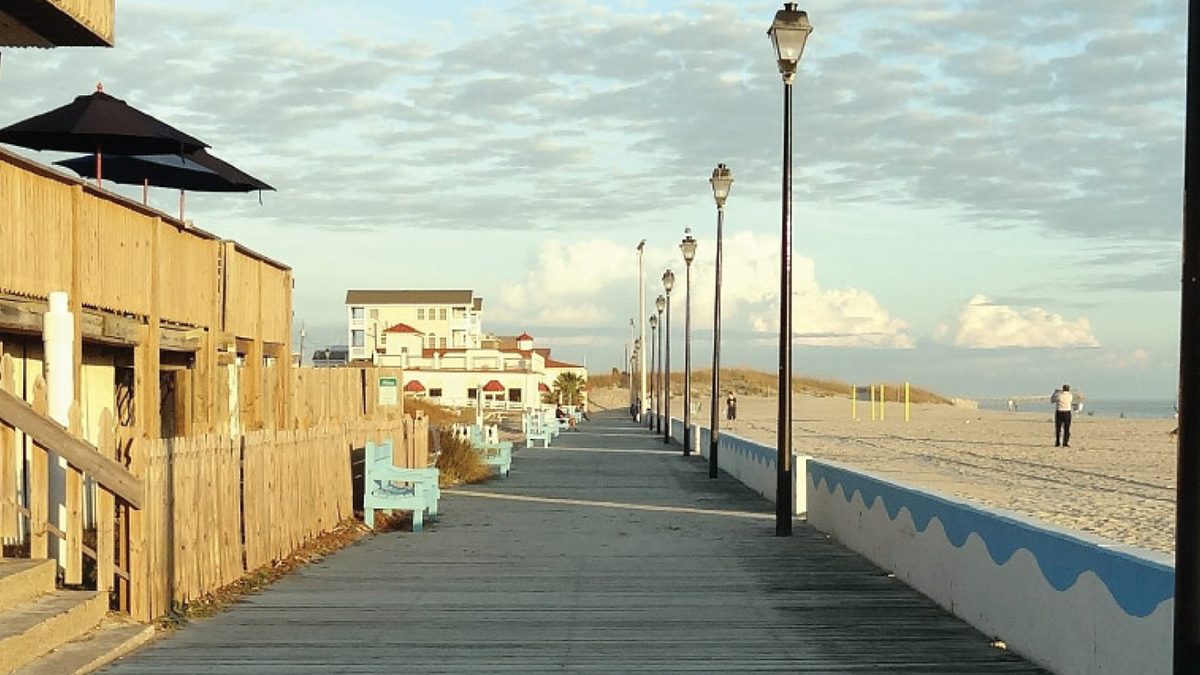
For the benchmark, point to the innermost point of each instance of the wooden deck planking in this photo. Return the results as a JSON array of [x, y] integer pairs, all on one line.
[[504, 585]]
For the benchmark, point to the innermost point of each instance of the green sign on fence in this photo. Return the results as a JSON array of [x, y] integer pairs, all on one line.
[[389, 391]]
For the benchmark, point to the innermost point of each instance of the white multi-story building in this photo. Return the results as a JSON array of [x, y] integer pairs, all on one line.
[[445, 319], [436, 337]]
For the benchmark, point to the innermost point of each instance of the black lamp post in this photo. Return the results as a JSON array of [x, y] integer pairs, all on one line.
[[722, 179], [789, 31], [1187, 500], [653, 369], [688, 247], [668, 279], [660, 303]]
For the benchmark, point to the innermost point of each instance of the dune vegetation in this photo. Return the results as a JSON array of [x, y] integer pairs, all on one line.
[[748, 382]]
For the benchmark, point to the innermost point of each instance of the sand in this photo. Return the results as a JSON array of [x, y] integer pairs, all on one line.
[[1117, 479]]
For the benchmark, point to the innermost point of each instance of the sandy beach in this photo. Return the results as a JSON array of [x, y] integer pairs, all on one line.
[[1117, 479]]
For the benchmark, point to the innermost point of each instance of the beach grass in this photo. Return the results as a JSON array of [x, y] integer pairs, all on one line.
[[748, 382]]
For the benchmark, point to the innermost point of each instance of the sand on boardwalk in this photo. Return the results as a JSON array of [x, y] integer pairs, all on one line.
[[1117, 479]]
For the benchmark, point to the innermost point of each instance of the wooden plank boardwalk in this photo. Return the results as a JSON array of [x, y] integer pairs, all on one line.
[[604, 553]]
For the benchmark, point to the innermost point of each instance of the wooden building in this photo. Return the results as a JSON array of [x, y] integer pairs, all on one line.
[[181, 332], [57, 23]]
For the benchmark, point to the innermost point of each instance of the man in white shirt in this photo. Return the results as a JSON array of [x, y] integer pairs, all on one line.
[[1062, 400]]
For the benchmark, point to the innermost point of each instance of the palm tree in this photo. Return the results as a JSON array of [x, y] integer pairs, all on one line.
[[568, 388]]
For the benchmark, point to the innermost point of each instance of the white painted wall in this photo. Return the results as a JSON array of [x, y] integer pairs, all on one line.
[[1079, 630]]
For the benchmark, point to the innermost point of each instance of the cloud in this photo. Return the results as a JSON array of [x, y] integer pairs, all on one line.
[[1055, 114], [1137, 358], [583, 283], [981, 324]]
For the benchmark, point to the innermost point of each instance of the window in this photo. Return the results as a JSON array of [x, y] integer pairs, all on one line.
[[435, 393], [420, 314], [472, 393], [442, 314], [514, 395], [356, 313], [357, 338], [442, 342]]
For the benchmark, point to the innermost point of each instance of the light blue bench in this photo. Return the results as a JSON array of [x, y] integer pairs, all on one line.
[[497, 455], [537, 428], [387, 487]]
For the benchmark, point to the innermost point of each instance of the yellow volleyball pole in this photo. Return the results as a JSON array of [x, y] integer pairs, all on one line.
[[872, 403], [882, 399], [853, 402], [907, 403]]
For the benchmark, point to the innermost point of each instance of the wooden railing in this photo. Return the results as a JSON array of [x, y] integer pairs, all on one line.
[[118, 491]]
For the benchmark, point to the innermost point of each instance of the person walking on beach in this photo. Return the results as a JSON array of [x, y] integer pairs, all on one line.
[[1062, 400], [731, 406]]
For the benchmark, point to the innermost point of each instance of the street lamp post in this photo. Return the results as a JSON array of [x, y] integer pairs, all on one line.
[[722, 179], [789, 32], [645, 404], [660, 304], [653, 368], [688, 247], [1187, 467], [668, 279]]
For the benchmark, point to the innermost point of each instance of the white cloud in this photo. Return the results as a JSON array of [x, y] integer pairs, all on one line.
[[590, 283], [1134, 359], [981, 324]]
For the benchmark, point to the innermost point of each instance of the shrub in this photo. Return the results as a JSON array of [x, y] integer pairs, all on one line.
[[459, 463]]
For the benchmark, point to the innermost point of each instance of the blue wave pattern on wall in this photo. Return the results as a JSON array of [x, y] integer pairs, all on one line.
[[1138, 585], [759, 452]]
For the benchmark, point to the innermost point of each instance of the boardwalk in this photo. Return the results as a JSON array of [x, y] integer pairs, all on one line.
[[603, 553]]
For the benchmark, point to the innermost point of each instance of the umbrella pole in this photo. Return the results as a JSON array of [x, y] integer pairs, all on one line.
[[99, 164], [181, 203], [145, 192]]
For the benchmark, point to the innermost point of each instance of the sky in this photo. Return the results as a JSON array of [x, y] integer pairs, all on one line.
[[987, 196]]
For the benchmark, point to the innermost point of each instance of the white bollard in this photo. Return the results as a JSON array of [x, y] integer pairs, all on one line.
[[58, 338]]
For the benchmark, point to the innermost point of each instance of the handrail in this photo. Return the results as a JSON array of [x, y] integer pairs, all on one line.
[[81, 454]]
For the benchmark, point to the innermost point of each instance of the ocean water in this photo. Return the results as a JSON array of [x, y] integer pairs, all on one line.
[[1099, 407]]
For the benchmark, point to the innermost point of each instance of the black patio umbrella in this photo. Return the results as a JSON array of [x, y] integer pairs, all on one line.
[[196, 172], [101, 124]]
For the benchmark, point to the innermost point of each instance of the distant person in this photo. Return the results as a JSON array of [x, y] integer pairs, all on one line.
[[731, 406], [1062, 400], [1012, 405]]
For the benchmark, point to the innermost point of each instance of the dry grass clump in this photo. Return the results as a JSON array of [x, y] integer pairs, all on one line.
[[459, 463], [607, 381], [439, 416]]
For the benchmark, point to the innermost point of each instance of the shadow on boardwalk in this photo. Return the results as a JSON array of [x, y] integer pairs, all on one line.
[[607, 552]]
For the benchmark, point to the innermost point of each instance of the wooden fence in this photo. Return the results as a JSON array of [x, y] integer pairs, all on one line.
[[321, 395], [218, 507], [213, 507]]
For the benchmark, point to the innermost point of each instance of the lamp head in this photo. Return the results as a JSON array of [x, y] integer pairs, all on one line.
[[653, 322], [668, 281], [660, 303], [688, 246], [789, 31], [722, 179]]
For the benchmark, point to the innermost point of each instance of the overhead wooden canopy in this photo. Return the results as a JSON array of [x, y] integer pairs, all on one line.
[[57, 23]]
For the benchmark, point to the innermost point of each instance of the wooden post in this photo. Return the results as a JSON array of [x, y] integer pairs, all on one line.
[[38, 487], [105, 508], [73, 567], [8, 459]]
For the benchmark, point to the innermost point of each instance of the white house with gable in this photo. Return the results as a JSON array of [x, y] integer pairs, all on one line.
[[436, 337]]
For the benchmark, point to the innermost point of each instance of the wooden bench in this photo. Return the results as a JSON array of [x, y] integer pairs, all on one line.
[[388, 487]]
